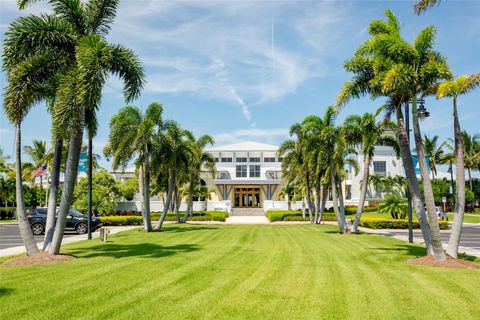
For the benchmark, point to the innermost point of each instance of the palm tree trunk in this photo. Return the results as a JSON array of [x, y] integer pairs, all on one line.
[[70, 180], [457, 224], [438, 252], [340, 220], [363, 192], [190, 199], [341, 202], [141, 184], [52, 197], [317, 198], [308, 196], [413, 186], [303, 208], [324, 203], [147, 222], [178, 200], [171, 187], [23, 224]]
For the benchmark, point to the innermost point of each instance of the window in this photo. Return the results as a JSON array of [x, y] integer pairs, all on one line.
[[380, 168], [254, 171], [255, 159], [216, 159], [226, 159], [280, 159], [269, 159], [241, 171], [242, 159]]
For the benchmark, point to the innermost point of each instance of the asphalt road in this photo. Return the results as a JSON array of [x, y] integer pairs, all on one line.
[[10, 236], [470, 236]]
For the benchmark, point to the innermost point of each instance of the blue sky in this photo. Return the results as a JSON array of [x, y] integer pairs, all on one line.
[[247, 70]]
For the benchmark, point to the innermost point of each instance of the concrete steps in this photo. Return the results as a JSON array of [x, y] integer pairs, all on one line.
[[247, 212], [247, 220]]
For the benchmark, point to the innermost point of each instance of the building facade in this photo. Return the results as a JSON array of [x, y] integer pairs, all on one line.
[[249, 175]]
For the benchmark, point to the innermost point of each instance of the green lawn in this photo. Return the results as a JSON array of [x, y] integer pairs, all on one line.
[[469, 218], [240, 272]]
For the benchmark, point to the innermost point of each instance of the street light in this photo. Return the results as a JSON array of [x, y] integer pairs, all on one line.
[[450, 170], [422, 111], [422, 114]]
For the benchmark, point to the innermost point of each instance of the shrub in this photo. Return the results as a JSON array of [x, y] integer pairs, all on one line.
[[383, 223], [275, 215], [122, 220], [395, 205], [285, 215]]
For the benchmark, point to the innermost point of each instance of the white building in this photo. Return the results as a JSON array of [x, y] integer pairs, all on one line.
[[249, 175]]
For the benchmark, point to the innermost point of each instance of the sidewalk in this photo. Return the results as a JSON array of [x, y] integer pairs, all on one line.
[[21, 249], [392, 233]]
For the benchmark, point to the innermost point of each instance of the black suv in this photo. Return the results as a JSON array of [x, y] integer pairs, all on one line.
[[75, 221]]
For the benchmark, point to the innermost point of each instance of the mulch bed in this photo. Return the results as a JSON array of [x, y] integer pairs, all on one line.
[[450, 263], [41, 258]]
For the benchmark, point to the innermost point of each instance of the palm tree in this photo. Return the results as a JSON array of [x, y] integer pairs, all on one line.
[[453, 89], [201, 159], [172, 152], [288, 191], [132, 134], [422, 5], [37, 152], [72, 43], [386, 65], [368, 133], [434, 152]]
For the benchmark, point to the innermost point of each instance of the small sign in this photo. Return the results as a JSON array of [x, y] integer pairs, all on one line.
[[444, 199], [82, 163]]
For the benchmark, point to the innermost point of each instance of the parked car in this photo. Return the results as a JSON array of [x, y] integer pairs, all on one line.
[[441, 214], [75, 221]]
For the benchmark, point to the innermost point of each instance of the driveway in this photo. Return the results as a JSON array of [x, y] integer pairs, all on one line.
[[470, 235], [10, 236]]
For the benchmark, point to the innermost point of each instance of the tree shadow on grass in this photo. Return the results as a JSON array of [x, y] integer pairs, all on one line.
[[404, 249], [5, 291], [183, 227], [143, 250]]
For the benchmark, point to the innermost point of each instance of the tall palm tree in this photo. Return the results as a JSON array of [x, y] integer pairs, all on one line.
[[453, 89], [368, 133], [434, 152], [172, 152], [386, 65], [37, 152], [131, 137], [71, 41], [200, 160]]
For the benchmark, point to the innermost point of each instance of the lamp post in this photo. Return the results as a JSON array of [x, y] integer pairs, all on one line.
[[450, 170], [422, 114], [89, 173]]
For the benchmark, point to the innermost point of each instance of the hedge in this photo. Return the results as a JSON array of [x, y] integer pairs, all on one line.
[[171, 216], [7, 213], [285, 215], [121, 220], [384, 223]]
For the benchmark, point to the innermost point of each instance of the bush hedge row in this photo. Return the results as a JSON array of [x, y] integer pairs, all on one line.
[[137, 220], [384, 223], [7, 213], [285, 215]]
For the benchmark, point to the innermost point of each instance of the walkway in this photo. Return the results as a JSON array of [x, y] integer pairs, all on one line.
[[67, 239]]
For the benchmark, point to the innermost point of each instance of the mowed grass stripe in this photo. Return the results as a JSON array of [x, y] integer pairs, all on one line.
[[240, 272]]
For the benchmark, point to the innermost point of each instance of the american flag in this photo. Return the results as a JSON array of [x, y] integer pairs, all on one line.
[[40, 171]]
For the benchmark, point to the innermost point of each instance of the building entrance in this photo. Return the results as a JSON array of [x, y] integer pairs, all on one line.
[[247, 197]]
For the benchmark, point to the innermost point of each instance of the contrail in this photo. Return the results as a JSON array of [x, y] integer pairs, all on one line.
[[273, 46]]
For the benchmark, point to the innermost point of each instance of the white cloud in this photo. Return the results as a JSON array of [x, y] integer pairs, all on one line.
[[253, 134], [223, 50]]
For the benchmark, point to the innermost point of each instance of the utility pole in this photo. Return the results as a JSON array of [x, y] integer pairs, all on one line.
[[409, 197], [89, 173]]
